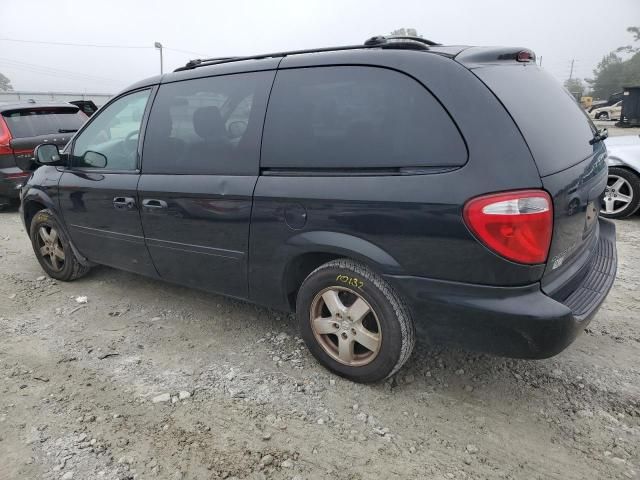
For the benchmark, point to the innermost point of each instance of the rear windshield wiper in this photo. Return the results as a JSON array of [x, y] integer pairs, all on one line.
[[599, 136], [67, 130]]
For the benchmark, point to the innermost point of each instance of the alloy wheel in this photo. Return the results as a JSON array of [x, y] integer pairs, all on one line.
[[50, 247], [617, 195], [345, 326]]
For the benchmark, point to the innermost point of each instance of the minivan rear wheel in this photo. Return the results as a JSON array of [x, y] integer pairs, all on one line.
[[353, 322], [622, 194]]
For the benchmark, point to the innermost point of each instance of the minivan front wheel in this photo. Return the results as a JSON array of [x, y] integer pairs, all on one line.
[[52, 248], [353, 321]]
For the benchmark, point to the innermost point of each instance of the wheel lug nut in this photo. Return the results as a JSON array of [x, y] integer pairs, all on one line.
[[335, 325], [353, 331]]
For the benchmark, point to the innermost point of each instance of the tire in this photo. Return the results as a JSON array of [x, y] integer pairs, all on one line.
[[630, 187], [603, 116], [387, 328], [61, 262]]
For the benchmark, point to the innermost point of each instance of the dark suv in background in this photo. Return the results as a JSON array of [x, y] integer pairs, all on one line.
[[370, 188], [23, 126]]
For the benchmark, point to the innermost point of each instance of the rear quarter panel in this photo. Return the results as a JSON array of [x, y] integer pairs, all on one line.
[[416, 220]]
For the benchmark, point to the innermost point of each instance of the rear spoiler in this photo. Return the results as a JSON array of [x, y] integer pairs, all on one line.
[[481, 56], [41, 108]]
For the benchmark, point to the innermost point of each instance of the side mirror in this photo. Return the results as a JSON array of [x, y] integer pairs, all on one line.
[[47, 154], [94, 159]]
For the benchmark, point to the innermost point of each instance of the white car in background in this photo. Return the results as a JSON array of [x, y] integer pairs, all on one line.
[[610, 112], [622, 195]]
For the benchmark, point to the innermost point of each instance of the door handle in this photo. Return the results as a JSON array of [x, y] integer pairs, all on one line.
[[124, 203], [153, 203]]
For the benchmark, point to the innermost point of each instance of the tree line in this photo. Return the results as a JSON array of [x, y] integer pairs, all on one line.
[[617, 69], [5, 84]]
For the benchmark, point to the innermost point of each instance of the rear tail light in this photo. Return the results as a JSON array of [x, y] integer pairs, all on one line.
[[525, 56], [516, 225], [5, 138], [17, 175]]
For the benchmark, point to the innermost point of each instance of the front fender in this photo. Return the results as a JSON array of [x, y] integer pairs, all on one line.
[[40, 191], [35, 194], [633, 164]]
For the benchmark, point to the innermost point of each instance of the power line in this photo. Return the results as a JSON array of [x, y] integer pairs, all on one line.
[[68, 44], [186, 51], [55, 72], [61, 75], [94, 45], [53, 69]]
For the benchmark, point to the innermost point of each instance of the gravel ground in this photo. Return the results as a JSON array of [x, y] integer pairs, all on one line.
[[151, 380]]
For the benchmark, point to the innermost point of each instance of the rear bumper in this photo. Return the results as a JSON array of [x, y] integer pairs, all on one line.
[[9, 186], [519, 322]]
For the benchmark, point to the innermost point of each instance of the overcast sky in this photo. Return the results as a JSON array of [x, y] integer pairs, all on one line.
[[557, 30]]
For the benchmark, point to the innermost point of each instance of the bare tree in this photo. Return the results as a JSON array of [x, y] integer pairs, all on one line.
[[5, 84]]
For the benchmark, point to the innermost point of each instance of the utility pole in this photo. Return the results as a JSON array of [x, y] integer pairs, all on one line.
[[540, 60], [158, 45], [571, 72]]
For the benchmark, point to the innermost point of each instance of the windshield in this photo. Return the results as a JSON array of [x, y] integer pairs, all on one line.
[[34, 122]]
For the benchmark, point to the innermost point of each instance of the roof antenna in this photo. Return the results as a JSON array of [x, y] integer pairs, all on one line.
[[384, 40]]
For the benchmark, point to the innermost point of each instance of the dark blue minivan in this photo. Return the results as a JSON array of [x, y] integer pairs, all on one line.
[[369, 188]]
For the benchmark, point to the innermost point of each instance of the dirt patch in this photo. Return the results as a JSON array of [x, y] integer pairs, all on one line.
[[151, 380]]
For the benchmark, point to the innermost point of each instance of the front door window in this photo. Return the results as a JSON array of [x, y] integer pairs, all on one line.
[[110, 141]]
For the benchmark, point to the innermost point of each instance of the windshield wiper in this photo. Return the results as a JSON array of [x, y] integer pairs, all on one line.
[[599, 136], [67, 130]]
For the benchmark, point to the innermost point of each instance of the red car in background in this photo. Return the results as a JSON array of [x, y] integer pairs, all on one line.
[[23, 126]]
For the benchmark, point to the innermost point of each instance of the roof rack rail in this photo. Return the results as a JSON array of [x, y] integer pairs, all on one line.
[[400, 42], [197, 61], [215, 61]]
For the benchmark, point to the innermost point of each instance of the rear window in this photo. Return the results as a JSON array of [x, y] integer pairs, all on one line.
[[43, 121], [356, 117], [554, 125]]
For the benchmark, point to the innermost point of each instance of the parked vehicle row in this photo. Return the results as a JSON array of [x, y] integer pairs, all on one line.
[[622, 195], [609, 112], [368, 188], [23, 126]]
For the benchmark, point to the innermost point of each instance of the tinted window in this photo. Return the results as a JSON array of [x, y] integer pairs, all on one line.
[[111, 139], [354, 117], [554, 125], [207, 125], [43, 121]]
